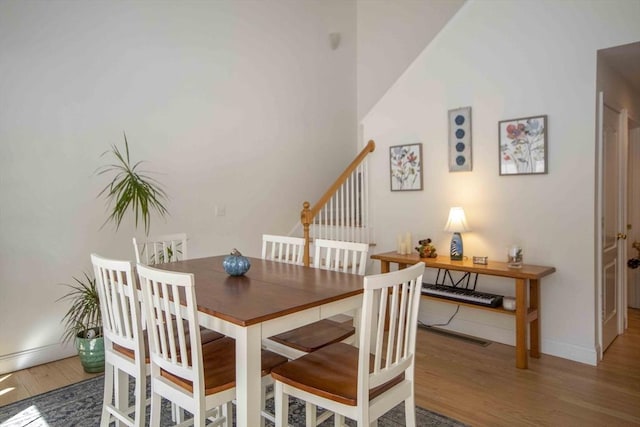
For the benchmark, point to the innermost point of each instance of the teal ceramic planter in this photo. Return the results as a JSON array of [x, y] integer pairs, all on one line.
[[91, 353]]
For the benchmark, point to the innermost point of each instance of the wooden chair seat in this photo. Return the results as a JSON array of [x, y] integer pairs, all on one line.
[[330, 372], [206, 335], [219, 367], [348, 257], [314, 336]]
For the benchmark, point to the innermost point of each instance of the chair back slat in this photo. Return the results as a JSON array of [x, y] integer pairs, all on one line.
[[119, 303], [161, 249], [394, 296], [393, 323], [380, 327], [282, 248], [170, 306], [337, 255]]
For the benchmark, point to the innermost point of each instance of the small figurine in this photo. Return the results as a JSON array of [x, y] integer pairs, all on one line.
[[426, 249]]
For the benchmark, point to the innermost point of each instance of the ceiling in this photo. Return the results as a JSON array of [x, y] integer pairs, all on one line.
[[625, 60]]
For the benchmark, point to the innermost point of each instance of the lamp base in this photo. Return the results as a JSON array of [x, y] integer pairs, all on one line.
[[456, 247]]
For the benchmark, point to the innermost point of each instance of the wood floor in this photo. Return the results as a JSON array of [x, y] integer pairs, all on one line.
[[477, 385], [481, 386]]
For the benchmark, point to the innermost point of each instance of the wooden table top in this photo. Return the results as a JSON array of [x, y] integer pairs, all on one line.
[[493, 268], [267, 291]]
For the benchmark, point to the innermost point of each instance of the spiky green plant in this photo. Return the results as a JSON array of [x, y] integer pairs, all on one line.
[[132, 189], [84, 313]]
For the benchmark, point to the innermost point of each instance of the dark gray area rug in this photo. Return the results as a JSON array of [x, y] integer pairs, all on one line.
[[80, 404]]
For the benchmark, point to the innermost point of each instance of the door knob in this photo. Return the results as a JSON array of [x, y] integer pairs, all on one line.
[[621, 236]]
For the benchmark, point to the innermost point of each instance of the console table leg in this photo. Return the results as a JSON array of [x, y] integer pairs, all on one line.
[[384, 266], [534, 326], [521, 324]]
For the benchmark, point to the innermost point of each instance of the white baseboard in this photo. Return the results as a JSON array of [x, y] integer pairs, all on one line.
[[570, 351], [35, 356]]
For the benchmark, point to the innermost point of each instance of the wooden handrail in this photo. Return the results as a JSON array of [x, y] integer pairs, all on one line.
[[308, 213]]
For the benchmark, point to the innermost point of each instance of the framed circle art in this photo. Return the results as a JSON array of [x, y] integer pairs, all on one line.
[[460, 139]]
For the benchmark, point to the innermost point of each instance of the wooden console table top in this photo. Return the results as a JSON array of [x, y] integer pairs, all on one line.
[[493, 268]]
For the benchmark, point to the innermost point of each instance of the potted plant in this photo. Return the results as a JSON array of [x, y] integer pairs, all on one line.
[[129, 189], [83, 322]]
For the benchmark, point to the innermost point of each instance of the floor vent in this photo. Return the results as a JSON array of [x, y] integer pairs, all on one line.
[[456, 335]]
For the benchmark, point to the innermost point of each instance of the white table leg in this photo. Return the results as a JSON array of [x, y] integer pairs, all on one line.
[[248, 376]]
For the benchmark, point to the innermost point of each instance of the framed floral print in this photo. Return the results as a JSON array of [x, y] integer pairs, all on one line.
[[523, 146], [406, 167]]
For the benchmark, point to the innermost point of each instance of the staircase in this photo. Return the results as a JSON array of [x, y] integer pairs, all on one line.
[[342, 213]]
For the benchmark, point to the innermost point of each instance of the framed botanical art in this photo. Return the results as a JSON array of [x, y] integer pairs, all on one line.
[[460, 139], [523, 146], [406, 167]]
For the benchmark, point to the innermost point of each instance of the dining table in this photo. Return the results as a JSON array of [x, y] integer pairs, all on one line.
[[271, 298]]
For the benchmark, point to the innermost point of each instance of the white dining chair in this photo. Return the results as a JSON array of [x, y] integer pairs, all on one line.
[[337, 255], [363, 383], [348, 257], [198, 378], [126, 341], [161, 248], [123, 342], [286, 249]]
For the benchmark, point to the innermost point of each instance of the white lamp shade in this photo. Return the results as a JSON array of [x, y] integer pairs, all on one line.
[[457, 222]]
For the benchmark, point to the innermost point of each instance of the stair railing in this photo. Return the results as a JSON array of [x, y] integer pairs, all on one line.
[[342, 213]]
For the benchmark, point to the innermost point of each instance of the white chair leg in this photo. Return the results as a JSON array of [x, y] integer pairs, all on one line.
[[156, 402], [177, 414], [410, 412], [263, 403], [121, 392], [140, 396], [199, 417], [108, 394], [310, 414], [281, 402], [338, 420], [227, 413]]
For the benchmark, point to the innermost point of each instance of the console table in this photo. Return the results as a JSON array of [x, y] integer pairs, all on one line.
[[527, 305]]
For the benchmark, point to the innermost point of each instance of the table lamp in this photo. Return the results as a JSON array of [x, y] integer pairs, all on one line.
[[456, 224]]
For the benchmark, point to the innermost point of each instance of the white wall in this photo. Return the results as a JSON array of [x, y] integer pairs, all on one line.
[[390, 36], [507, 59], [241, 105]]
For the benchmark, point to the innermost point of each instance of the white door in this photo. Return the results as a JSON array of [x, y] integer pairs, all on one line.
[[613, 215]]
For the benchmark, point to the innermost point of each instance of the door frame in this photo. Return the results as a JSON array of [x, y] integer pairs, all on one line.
[[621, 285], [633, 211]]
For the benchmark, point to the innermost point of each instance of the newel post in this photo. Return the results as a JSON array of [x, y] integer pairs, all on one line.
[[306, 218]]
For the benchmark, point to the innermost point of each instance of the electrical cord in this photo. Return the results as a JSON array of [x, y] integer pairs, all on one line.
[[441, 324]]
